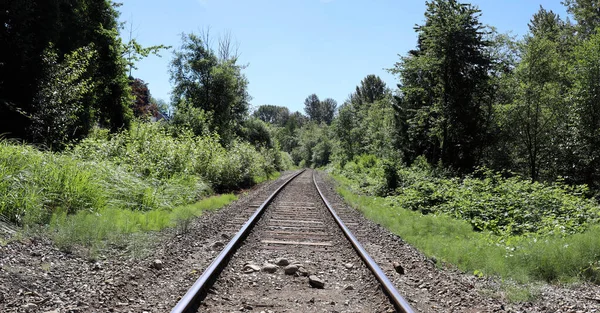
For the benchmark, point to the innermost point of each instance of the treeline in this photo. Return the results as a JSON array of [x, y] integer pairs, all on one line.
[[470, 97], [76, 129], [66, 72]]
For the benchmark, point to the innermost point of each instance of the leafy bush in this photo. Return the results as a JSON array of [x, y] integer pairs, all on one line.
[[554, 257], [505, 206], [149, 150], [142, 169], [36, 184]]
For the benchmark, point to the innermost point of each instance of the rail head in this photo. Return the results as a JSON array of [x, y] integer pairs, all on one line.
[[190, 301], [399, 302]]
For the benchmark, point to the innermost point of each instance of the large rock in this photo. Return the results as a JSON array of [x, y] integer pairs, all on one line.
[[269, 268], [282, 262], [157, 264], [302, 271], [290, 269], [250, 268], [316, 282]]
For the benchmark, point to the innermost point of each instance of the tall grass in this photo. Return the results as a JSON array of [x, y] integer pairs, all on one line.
[[143, 179], [36, 184], [115, 225]]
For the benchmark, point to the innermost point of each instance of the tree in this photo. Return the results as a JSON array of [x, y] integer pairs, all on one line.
[[142, 104], [328, 108], [320, 111], [312, 108], [288, 136], [60, 110], [538, 109], [272, 114], [371, 89], [442, 81], [587, 15], [257, 133], [586, 93], [213, 83], [36, 30], [132, 51]]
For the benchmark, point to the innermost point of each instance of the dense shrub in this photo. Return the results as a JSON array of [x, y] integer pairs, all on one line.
[[524, 259], [142, 169], [488, 201]]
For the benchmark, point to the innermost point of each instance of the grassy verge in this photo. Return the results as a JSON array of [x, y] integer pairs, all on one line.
[[110, 188], [553, 258], [93, 229]]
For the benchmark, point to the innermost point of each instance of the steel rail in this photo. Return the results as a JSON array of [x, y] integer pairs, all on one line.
[[190, 301], [399, 302]]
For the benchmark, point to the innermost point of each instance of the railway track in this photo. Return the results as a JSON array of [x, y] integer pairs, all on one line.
[[292, 253]]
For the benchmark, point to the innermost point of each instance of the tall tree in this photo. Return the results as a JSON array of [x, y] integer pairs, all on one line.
[[587, 15], [328, 108], [213, 83], [272, 114], [538, 114], [586, 93], [371, 89], [312, 108], [36, 30], [320, 111], [442, 83]]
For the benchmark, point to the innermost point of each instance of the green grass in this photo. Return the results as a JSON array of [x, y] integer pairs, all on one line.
[[92, 229], [264, 177], [554, 258]]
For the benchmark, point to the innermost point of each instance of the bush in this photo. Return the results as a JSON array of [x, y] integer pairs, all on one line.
[[142, 169], [506, 206], [554, 257]]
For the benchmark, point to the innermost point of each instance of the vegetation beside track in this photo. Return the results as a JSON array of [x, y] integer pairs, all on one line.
[[109, 186], [487, 225]]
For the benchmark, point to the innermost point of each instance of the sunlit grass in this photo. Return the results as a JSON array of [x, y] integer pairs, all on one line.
[[553, 259], [112, 225]]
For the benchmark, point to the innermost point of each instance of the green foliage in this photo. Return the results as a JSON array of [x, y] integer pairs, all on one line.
[[314, 146], [585, 136], [189, 117], [443, 85], [143, 169], [587, 15], [256, 132], [94, 229], [64, 70], [550, 258], [320, 111], [150, 151], [133, 51], [371, 89], [366, 128], [272, 114], [210, 82], [60, 115], [486, 200]]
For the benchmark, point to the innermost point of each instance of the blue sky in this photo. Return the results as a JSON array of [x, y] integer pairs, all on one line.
[[298, 47]]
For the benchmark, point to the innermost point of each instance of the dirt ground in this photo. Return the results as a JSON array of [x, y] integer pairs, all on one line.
[[37, 277]]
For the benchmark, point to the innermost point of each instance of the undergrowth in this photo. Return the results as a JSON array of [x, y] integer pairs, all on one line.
[[115, 226], [491, 226], [143, 179]]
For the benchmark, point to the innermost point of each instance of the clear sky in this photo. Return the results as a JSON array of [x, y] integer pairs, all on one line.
[[298, 47]]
